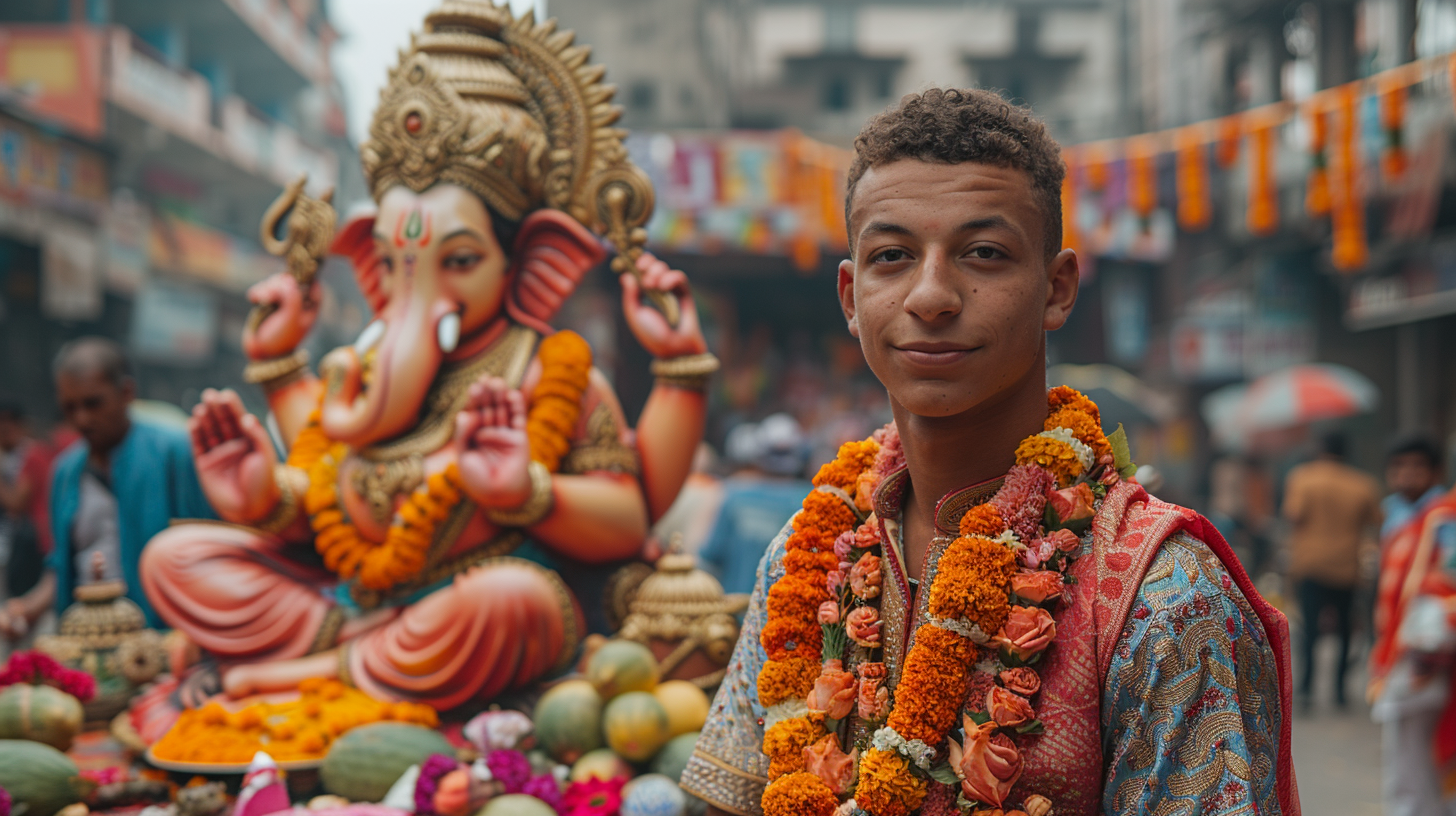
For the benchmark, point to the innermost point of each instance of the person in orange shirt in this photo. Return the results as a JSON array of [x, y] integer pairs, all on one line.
[[1334, 510]]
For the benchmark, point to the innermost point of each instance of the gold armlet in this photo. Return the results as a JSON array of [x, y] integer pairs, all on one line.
[[292, 483], [535, 508], [277, 372], [690, 371]]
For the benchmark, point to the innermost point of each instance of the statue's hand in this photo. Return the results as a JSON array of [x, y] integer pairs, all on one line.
[[490, 433], [661, 339], [234, 458], [290, 321]]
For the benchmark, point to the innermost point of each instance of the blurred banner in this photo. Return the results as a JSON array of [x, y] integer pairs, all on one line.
[[57, 72], [36, 168]]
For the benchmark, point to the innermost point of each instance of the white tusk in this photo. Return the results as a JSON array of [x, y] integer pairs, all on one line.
[[448, 332], [369, 337]]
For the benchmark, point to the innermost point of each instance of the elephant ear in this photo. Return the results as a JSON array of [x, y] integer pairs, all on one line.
[[553, 252], [355, 241]]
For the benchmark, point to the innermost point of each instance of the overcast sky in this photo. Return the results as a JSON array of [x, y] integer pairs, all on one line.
[[373, 31]]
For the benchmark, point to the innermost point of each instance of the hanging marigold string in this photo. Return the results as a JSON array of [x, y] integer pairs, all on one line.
[[1195, 210], [1230, 133], [1142, 176], [379, 565], [1317, 186], [988, 624], [1351, 248], [1071, 239], [1263, 215], [1394, 159]]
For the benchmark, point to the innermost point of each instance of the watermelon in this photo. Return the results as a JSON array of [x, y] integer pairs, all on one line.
[[621, 666], [636, 725], [362, 764], [40, 777], [600, 764], [568, 720], [41, 713], [672, 760]]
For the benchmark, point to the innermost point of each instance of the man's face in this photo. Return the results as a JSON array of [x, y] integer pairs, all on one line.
[[12, 432], [1410, 474], [95, 407], [949, 291]]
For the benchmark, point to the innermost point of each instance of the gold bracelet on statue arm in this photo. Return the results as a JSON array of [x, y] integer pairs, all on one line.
[[536, 507], [690, 371]]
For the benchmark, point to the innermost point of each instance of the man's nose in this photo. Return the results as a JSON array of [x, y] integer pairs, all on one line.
[[934, 292]]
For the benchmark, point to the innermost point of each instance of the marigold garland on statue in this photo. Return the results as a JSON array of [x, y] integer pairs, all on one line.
[[550, 424], [988, 625]]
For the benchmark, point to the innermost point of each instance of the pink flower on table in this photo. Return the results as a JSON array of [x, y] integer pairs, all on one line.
[[833, 692], [825, 760], [1027, 632], [865, 577], [863, 626], [1039, 586], [828, 613], [1007, 708]]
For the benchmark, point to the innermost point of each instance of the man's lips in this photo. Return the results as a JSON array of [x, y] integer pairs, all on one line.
[[934, 353]]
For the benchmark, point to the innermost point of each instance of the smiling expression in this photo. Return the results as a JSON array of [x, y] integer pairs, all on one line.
[[949, 290]]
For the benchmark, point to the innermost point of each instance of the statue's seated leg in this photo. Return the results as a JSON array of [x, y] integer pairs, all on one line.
[[235, 592], [497, 627]]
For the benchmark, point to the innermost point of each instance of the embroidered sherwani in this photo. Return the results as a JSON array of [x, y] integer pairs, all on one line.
[[1177, 707]]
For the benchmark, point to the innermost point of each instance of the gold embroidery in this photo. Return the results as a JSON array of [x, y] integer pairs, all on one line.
[[602, 449], [380, 482]]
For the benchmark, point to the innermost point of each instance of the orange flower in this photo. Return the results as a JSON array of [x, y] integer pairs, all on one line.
[[982, 520], [936, 670], [1037, 586], [865, 577], [799, 794], [1007, 708], [1065, 396], [886, 785], [874, 698], [783, 638], [1054, 455], [988, 766], [796, 596], [787, 679], [863, 626], [971, 581], [854, 458], [825, 760], [1028, 631], [566, 361], [1022, 680], [834, 691], [1083, 426], [1072, 503], [785, 743]]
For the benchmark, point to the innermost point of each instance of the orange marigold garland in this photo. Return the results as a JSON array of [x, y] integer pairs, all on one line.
[[974, 636], [566, 361]]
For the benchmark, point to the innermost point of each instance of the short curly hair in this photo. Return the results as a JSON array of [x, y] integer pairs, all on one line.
[[951, 126]]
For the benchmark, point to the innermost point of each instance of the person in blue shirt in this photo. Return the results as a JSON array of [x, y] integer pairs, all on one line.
[[757, 500], [116, 487], [1413, 473]]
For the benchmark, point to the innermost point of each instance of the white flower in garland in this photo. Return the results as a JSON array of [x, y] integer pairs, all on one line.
[[964, 628], [787, 710], [888, 739], [1009, 540]]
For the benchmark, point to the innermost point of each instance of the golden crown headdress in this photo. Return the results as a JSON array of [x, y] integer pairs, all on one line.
[[510, 109]]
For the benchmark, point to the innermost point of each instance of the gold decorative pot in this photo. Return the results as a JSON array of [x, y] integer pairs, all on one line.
[[104, 634], [681, 613]]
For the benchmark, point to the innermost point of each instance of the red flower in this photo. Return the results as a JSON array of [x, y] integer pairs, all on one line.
[[1064, 540]]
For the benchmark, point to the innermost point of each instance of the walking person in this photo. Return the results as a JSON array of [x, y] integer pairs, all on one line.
[[1334, 510]]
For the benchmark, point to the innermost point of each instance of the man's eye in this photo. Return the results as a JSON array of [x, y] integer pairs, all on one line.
[[889, 256], [461, 261], [986, 253]]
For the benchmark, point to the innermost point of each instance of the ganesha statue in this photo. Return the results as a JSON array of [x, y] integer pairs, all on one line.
[[447, 470]]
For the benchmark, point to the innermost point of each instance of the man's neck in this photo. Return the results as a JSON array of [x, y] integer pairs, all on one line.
[[100, 458], [944, 454]]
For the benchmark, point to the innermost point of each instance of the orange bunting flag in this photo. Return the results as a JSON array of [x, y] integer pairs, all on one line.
[[1094, 166], [1351, 249], [1070, 239], [1393, 160], [1142, 175], [1317, 186], [1195, 212], [1230, 131], [1263, 217]]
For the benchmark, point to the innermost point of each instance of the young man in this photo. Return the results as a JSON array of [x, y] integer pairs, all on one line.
[[112, 491], [1413, 474], [1166, 688]]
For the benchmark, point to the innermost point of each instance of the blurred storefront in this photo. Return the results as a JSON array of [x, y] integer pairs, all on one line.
[[139, 146]]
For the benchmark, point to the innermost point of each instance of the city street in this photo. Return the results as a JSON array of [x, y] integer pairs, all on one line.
[[1337, 753]]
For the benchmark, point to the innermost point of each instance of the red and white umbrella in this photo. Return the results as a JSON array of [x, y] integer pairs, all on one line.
[[1289, 398]]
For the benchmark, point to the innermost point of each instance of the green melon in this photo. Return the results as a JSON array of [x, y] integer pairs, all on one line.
[[621, 666], [602, 763], [40, 777], [40, 713], [636, 725], [672, 760], [568, 720], [363, 763], [516, 804]]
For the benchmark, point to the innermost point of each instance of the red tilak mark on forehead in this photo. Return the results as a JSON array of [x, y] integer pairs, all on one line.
[[412, 229]]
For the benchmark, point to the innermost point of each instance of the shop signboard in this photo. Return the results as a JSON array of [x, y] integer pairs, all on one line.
[[194, 250], [174, 324], [1420, 288], [1208, 342], [40, 169], [70, 283], [56, 70], [128, 229]]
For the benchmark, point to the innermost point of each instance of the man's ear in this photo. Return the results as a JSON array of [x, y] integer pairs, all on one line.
[[1064, 277], [846, 295], [553, 252]]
